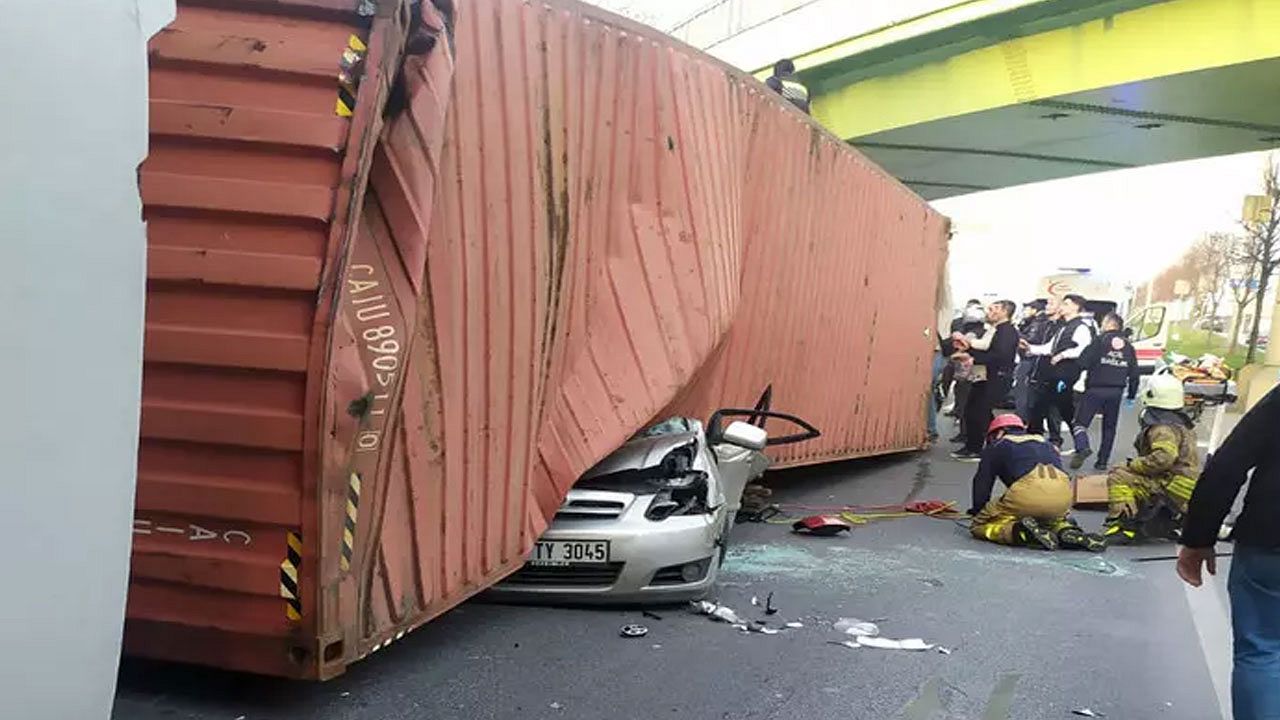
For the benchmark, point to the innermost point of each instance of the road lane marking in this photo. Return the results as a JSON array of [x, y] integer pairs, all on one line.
[[1213, 628]]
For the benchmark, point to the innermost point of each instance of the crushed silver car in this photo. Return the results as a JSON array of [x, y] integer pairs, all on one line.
[[650, 523]]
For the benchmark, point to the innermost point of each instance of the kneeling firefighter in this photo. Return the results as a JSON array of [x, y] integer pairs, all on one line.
[[1148, 496], [1034, 510]]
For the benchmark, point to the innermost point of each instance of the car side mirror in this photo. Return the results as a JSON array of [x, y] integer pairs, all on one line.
[[745, 435]]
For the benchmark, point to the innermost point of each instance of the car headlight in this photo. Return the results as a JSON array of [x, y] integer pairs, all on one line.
[[683, 490]]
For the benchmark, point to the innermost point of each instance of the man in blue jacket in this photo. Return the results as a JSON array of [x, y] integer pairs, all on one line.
[[1111, 367]]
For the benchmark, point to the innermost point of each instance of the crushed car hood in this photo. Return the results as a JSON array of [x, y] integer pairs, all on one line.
[[641, 452]]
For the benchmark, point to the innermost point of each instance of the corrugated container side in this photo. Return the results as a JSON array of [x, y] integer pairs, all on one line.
[[377, 357], [574, 284], [839, 287], [258, 150], [596, 236]]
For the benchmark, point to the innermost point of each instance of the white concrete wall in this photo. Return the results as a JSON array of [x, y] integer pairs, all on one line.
[[72, 258], [753, 34]]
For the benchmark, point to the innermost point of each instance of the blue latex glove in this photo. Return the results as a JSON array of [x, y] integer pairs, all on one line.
[[1062, 385]]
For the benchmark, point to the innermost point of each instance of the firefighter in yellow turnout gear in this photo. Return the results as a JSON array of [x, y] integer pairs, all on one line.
[[1148, 496], [1034, 510]]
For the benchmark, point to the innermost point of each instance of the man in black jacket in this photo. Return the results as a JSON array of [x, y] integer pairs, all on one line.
[[784, 82], [1254, 584], [1111, 366], [1034, 323], [970, 322], [993, 377], [1059, 367]]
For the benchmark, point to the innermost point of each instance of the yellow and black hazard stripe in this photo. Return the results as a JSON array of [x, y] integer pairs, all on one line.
[[289, 576], [349, 71], [349, 524]]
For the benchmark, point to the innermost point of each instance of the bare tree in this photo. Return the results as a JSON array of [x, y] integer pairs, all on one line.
[[1243, 274], [1262, 249], [1210, 259]]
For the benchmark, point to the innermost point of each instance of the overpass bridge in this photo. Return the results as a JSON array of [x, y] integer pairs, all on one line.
[[955, 96]]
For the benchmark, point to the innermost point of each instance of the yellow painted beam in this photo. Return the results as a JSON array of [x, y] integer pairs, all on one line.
[[1154, 41], [960, 13]]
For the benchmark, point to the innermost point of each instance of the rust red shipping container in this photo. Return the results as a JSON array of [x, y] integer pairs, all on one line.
[[411, 274]]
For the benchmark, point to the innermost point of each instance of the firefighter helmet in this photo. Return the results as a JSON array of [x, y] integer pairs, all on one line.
[[1004, 422], [1164, 391]]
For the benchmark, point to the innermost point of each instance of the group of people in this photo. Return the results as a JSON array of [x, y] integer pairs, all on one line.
[[1033, 369], [1011, 413], [1015, 387]]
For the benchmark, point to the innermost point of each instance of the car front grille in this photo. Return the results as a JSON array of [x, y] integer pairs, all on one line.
[[566, 576], [590, 510]]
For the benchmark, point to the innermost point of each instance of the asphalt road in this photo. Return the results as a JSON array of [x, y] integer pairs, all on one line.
[[1056, 631]]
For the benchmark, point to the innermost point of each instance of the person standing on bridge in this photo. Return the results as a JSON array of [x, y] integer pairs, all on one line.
[[784, 82], [1254, 585], [1111, 366], [1034, 511]]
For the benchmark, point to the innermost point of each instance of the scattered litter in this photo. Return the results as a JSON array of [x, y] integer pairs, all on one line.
[[634, 631], [1086, 712], [913, 644], [344, 694], [556, 706], [755, 601], [795, 625], [769, 609], [717, 612], [241, 717], [944, 650], [856, 627], [651, 615], [657, 647]]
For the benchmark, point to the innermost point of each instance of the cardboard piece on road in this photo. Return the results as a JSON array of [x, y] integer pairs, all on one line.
[[1090, 490]]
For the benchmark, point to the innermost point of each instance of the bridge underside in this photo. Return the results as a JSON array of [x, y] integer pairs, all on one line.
[[1214, 112], [1148, 84]]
